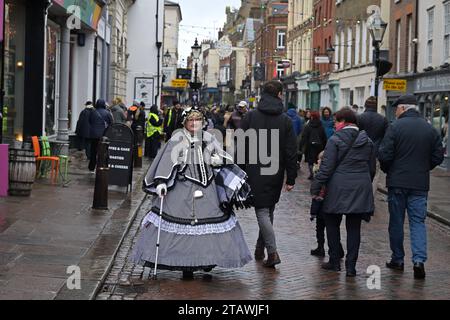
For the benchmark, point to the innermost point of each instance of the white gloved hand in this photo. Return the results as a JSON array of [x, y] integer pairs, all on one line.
[[161, 190], [216, 160]]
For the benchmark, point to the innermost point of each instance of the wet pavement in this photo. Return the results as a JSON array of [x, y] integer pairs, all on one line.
[[54, 228], [299, 276]]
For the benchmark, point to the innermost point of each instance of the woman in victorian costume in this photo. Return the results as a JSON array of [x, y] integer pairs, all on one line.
[[200, 187]]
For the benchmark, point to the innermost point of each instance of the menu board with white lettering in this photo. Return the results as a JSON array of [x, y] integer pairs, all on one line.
[[120, 155]]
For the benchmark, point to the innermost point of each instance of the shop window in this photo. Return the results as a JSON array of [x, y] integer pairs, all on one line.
[[51, 77], [14, 71]]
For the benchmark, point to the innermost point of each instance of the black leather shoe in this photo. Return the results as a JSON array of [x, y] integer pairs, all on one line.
[[188, 275], [351, 273], [272, 260], [395, 265], [419, 270], [259, 254], [331, 266], [319, 252]]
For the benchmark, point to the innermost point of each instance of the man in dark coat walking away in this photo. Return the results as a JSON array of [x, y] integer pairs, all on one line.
[[269, 121], [99, 120], [410, 149], [375, 125], [83, 129], [314, 140]]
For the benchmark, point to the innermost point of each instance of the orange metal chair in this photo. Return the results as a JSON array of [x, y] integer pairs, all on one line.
[[39, 158]]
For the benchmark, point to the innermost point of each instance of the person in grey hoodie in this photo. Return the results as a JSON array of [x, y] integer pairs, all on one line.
[[118, 113]]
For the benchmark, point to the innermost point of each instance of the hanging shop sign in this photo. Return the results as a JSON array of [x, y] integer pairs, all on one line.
[[89, 11], [395, 85], [179, 83]]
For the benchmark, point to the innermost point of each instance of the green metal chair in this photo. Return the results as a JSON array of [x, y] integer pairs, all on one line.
[[63, 160]]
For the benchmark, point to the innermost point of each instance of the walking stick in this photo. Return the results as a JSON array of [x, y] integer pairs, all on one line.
[[157, 240]]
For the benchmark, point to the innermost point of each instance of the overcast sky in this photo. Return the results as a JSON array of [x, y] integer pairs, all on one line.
[[200, 17]]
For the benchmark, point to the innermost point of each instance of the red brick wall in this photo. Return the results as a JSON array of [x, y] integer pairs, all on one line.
[[267, 41], [323, 31], [400, 12]]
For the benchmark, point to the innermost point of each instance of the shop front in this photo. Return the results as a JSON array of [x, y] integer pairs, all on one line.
[[432, 90], [210, 96], [334, 95], [324, 94], [291, 92], [76, 65], [22, 60], [303, 91], [314, 88]]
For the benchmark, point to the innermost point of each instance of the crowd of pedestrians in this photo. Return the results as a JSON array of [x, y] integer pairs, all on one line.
[[344, 151]]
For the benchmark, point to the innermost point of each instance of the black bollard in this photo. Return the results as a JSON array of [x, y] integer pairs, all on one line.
[[138, 141], [101, 176]]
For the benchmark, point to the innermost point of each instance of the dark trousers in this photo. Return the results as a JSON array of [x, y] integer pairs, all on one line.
[[152, 146], [353, 227], [93, 158], [320, 230]]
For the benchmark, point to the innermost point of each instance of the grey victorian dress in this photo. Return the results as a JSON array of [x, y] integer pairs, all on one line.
[[195, 234]]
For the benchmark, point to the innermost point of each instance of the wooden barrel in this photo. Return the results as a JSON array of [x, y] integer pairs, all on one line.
[[22, 171]]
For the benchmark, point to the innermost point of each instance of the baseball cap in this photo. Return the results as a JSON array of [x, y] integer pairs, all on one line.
[[242, 104]]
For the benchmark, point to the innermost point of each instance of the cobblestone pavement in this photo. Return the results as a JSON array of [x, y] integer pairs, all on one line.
[[299, 276]]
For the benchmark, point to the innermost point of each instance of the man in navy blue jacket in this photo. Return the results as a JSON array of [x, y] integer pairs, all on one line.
[[410, 149]]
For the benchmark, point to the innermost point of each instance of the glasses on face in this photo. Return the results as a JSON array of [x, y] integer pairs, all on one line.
[[195, 120]]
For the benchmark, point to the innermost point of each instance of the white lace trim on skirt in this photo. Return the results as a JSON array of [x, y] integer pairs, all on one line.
[[170, 227]]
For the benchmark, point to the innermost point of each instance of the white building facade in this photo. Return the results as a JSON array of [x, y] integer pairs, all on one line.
[[354, 59], [300, 53], [145, 39], [172, 20]]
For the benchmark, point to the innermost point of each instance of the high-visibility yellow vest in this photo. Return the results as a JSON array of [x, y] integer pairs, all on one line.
[[151, 129], [169, 114]]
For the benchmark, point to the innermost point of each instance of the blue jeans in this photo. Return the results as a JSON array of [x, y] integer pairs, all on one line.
[[415, 202]]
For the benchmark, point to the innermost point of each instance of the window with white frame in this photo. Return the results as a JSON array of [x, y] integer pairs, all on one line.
[[409, 34], [349, 46], [357, 43], [281, 39], [280, 72], [360, 96], [446, 30], [337, 51], [345, 97], [398, 35], [342, 44], [364, 43], [430, 32]]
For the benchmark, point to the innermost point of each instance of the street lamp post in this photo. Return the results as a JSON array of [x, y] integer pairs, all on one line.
[[196, 51], [167, 59], [377, 28]]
